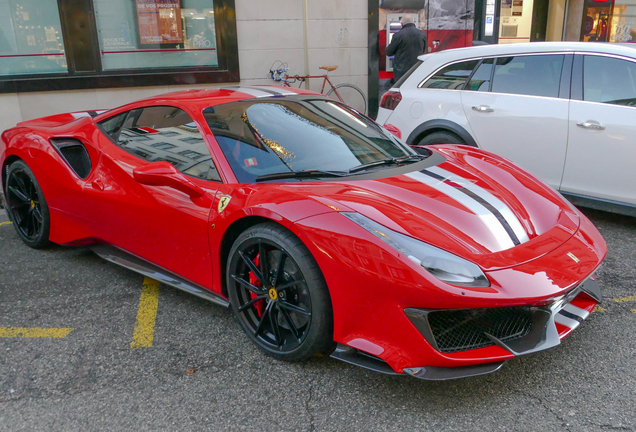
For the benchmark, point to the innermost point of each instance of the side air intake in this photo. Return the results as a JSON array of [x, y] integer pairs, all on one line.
[[75, 155]]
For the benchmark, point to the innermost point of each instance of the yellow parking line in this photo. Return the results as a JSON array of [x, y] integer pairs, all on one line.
[[34, 332], [6, 223], [145, 326], [634, 311], [624, 299], [598, 309]]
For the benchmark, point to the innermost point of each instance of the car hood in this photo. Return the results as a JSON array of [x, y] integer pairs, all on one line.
[[474, 204]]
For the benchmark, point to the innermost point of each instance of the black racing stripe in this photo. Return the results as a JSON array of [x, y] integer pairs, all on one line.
[[92, 113], [502, 220], [571, 315]]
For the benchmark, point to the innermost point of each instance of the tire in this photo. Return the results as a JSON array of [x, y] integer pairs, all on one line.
[[281, 302], [26, 206], [441, 137], [350, 95]]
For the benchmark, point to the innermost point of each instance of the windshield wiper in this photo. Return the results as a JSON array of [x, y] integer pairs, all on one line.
[[388, 161], [309, 173]]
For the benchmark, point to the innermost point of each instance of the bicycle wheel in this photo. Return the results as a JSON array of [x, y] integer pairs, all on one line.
[[351, 95]]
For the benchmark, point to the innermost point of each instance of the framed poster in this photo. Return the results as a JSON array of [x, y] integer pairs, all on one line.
[[159, 22]]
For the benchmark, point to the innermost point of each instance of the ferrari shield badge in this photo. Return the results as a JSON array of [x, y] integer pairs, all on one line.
[[223, 202]]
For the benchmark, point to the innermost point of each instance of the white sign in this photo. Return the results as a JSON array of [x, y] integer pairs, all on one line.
[[490, 25]]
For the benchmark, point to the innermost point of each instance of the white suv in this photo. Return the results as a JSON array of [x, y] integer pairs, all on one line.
[[565, 111]]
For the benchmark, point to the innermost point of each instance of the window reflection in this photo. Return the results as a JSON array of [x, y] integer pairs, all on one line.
[[534, 75], [609, 80], [31, 38], [163, 134], [266, 137], [156, 33], [480, 81], [452, 77]]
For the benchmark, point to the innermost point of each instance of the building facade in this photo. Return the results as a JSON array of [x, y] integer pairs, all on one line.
[[73, 55]]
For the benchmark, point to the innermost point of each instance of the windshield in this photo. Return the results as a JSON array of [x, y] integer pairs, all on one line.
[[260, 137]]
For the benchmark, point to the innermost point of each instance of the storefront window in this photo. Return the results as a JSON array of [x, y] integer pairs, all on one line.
[[624, 21], [31, 38], [596, 21], [143, 34]]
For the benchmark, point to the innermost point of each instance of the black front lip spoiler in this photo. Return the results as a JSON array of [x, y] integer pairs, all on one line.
[[431, 373], [428, 373]]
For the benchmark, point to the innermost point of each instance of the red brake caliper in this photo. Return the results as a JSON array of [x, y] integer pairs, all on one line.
[[259, 305]]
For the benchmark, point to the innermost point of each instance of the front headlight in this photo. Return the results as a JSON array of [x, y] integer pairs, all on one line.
[[443, 265]]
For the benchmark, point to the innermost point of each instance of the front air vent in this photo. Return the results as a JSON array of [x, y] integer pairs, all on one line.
[[461, 330], [75, 155]]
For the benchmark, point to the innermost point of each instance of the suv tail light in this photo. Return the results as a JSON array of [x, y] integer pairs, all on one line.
[[391, 99]]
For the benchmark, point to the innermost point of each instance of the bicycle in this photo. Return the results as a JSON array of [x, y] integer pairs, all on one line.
[[345, 93]]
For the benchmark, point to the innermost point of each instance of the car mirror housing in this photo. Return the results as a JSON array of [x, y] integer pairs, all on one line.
[[164, 174]]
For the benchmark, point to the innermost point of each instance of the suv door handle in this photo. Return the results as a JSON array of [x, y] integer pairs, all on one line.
[[590, 125], [483, 108]]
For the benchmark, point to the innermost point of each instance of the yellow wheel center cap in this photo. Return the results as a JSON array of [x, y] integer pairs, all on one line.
[[273, 294], [32, 204]]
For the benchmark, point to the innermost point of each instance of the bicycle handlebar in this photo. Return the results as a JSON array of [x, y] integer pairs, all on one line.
[[279, 74]]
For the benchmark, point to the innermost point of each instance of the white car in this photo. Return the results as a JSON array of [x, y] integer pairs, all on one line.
[[565, 111]]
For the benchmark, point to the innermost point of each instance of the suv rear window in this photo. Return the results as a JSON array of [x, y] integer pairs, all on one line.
[[452, 77]]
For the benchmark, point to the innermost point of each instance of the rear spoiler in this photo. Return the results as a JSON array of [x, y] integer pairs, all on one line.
[[60, 119]]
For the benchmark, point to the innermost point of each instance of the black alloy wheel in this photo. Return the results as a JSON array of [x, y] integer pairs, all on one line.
[[278, 293], [26, 206]]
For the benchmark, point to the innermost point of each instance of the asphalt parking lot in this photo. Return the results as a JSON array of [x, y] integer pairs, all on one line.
[[76, 354]]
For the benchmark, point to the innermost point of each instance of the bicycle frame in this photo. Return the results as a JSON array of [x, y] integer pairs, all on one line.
[[325, 80], [279, 75]]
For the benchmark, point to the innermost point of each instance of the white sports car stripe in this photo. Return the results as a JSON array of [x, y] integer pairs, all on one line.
[[486, 216], [568, 322], [576, 311], [275, 89], [251, 91], [505, 211], [86, 113]]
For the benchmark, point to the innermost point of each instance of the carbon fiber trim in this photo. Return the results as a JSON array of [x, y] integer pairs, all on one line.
[[430, 373], [124, 259], [513, 335]]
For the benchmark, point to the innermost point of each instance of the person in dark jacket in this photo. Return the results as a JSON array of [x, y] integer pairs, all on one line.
[[406, 45]]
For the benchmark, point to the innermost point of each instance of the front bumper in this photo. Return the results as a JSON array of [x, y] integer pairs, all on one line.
[[545, 327], [548, 324]]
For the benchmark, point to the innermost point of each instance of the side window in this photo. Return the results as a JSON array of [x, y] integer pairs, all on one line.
[[452, 77], [112, 126], [480, 81], [533, 75], [163, 133], [609, 80]]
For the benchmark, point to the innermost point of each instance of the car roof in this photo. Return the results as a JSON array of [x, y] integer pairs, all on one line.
[[625, 49], [198, 99]]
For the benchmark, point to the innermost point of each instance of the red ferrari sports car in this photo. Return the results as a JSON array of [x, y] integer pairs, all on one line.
[[321, 230]]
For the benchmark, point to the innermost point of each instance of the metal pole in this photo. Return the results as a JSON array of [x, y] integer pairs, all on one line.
[[306, 29]]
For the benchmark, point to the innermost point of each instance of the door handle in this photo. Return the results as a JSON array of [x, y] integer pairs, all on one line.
[[483, 108], [590, 125]]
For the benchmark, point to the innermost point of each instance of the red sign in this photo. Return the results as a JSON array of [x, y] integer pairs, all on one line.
[[159, 21]]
